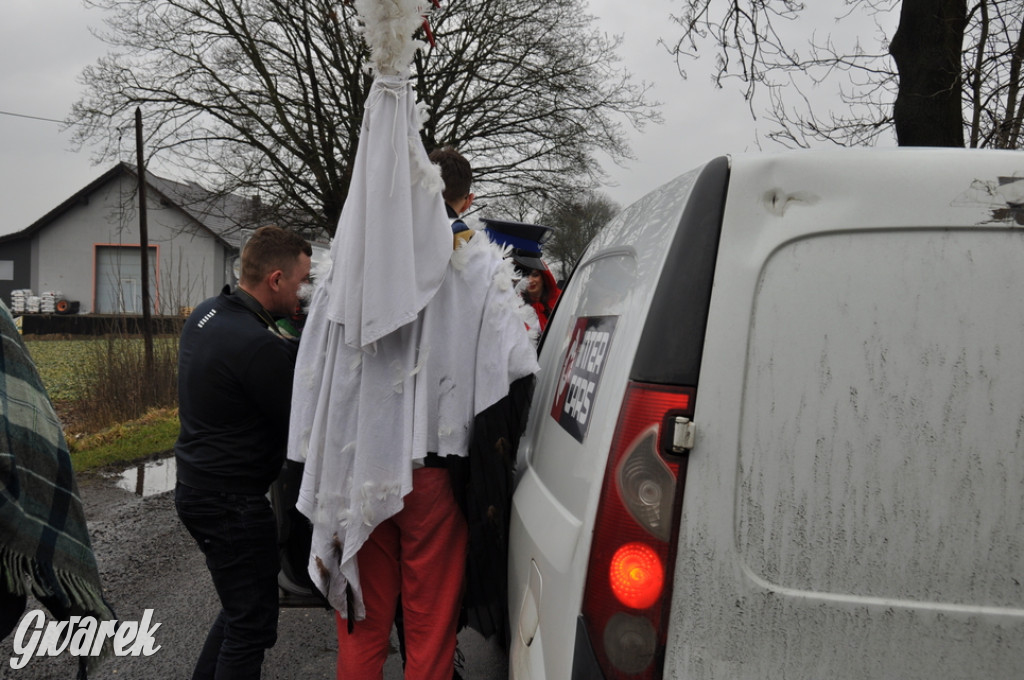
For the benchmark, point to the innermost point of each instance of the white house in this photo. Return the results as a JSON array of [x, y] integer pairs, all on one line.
[[88, 248]]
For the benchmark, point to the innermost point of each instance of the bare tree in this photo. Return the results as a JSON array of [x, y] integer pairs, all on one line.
[[266, 96], [576, 222], [993, 92], [949, 74]]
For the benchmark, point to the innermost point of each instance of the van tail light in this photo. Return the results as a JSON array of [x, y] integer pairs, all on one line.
[[629, 578]]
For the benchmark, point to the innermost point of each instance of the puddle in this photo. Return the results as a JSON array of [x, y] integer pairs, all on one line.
[[147, 479]]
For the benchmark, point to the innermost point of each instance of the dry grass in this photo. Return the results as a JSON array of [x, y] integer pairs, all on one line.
[[123, 388], [96, 383], [114, 411]]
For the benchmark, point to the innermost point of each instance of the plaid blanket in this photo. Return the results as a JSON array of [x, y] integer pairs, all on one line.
[[44, 541]]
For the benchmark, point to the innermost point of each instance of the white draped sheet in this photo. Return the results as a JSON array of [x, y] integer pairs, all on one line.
[[362, 416], [405, 341]]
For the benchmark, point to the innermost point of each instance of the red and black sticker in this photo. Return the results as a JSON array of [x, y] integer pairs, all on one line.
[[581, 372]]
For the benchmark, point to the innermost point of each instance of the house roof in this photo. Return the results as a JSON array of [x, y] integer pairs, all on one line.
[[225, 216]]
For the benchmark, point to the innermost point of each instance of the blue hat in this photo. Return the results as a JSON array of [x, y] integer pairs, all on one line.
[[525, 240]]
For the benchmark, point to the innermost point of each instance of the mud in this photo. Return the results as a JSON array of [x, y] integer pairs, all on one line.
[[148, 561]]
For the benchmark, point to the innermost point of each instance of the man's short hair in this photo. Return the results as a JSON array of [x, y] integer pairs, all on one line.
[[455, 171], [271, 248]]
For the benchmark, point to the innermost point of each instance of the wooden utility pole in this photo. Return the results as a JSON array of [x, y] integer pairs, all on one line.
[[147, 318]]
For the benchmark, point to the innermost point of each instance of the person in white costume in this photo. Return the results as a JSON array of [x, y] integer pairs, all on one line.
[[406, 341]]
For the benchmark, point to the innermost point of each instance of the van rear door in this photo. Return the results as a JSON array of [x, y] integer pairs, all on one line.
[[853, 504], [589, 407]]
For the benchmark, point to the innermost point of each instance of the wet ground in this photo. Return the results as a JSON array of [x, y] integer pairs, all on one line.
[[148, 561], [148, 478]]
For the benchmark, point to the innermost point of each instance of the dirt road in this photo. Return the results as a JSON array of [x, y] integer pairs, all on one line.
[[148, 561]]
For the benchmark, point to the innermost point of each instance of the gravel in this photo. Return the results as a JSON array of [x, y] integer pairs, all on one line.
[[148, 561]]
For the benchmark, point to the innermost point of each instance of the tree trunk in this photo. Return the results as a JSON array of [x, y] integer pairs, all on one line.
[[927, 49], [1009, 134]]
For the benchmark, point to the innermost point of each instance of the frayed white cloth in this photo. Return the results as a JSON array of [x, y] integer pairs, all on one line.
[[393, 239], [361, 416], [405, 341]]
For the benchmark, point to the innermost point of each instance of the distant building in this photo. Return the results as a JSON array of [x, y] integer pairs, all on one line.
[[88, 248]]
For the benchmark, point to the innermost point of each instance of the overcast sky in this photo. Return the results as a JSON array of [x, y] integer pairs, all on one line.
[[44, 44]]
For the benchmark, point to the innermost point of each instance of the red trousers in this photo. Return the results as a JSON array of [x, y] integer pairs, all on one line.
[[420, 553]]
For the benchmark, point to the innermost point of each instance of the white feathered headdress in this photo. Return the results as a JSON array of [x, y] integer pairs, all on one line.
[[388, 26]]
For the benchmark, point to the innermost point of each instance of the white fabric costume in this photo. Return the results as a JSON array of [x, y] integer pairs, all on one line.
[[405, 343]]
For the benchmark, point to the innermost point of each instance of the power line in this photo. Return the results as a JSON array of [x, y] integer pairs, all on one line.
[[22, 115]]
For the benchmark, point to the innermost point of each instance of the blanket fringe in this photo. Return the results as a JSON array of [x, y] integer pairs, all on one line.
[[24, 576]]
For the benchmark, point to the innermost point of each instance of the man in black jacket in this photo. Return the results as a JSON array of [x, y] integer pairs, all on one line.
[[234, 395]]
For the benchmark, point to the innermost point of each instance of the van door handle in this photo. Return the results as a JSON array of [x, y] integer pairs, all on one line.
[[683, 434]]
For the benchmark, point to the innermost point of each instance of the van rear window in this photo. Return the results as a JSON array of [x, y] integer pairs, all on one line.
[[600, 293], [580, 374]]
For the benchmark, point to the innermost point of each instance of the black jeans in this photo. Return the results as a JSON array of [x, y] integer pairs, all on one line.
[[238, 535]]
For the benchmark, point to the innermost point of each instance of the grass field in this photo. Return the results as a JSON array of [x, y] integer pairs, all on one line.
[[64, 365], [68, 369], [153, 433]]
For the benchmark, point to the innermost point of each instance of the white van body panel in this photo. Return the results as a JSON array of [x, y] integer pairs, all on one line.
[[853, 506], [854, 502], [557, 488]]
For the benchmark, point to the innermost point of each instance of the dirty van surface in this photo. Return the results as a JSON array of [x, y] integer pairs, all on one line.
[[778, 429]]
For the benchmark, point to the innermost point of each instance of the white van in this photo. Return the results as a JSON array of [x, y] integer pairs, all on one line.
[[779, 429]]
